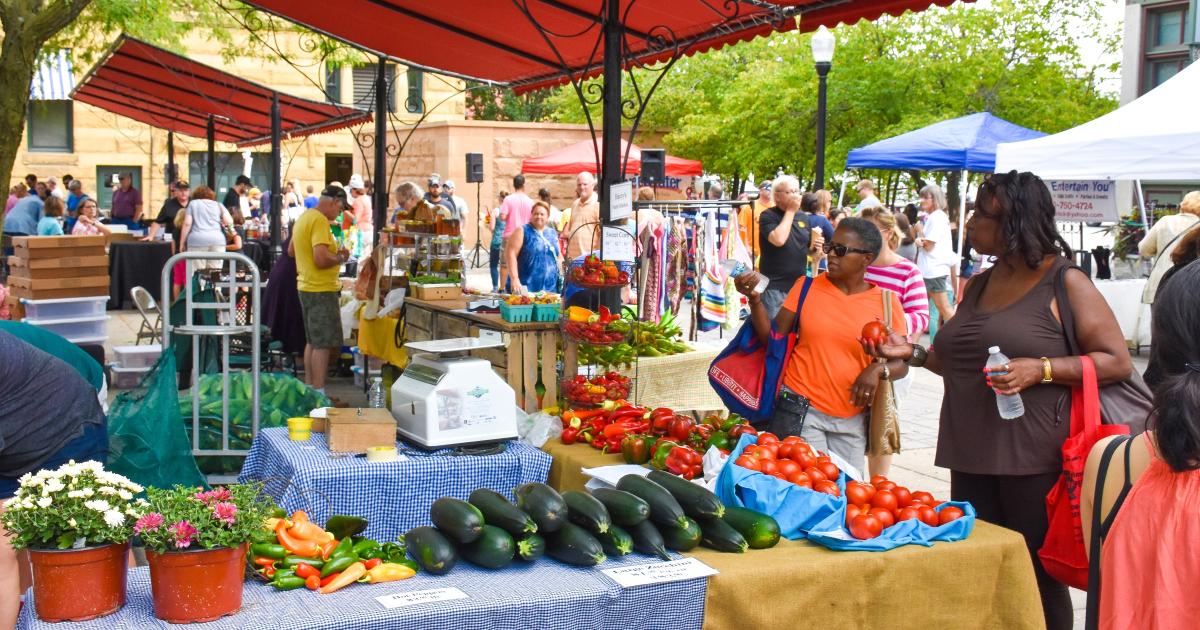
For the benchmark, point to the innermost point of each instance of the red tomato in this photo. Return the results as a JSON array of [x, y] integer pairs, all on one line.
[[949, 513], [794, 439], [823, 458], [828, 487], [787, 467], [865, 526], [785, 451], [829, 469], [803, 458], [920, 496], [936, 503], [804, 447], [815, 474], [857, 493], [886, 518], [746, 461], [884, 499], [851, 512], [878, 479], [770, 451], [765, 439], [800, 479], [903, 496], [928, 515], [751, 451], [768, 466], [779, 475], [886, 485], [906, 513], [874, 331]]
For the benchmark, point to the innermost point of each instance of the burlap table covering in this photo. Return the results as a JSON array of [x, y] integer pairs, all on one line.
[[983, 582], [678, 381]]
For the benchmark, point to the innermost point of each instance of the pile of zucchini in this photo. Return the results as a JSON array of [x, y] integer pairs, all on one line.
[[646, 514]]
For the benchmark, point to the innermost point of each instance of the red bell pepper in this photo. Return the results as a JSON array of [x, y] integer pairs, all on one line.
[[680, 428], [598, 442], [685, 462], [662, 449], [636, 448]]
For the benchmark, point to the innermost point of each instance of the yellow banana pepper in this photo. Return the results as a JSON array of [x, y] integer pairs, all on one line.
[[388, 572]]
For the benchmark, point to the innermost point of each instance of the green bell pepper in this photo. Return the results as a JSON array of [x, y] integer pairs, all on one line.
[[662, 448], [719, 439], [636, 448], [342, 526], [367, 549]]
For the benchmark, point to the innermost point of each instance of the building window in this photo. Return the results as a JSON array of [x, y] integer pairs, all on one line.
[[1165, 50], [415, 103], [364, 86], [1164, 28], [50, 126], [333, 83]]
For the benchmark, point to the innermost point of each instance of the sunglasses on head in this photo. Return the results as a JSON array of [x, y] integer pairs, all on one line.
[[839, 250]]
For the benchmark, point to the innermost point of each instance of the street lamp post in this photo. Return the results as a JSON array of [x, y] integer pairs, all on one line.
[[822, 49]]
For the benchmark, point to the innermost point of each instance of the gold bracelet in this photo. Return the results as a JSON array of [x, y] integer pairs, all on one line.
[[1047, 373]]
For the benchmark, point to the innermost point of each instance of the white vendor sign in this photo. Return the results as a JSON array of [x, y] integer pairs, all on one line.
[[1087, 201]]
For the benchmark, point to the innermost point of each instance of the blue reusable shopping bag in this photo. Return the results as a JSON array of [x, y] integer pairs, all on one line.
[[746, 375], [832, 532]]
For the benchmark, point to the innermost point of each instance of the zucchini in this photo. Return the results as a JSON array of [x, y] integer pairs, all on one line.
[[616, 541], [716, 534], [499, 512], [431, 550], [544, 504], [492, 550], [760, 530], [457, 519], [623, 508], [648, 540], [681, 538], [586, 511], [697, 502], [664, 509], [531, 547], [572, 544]]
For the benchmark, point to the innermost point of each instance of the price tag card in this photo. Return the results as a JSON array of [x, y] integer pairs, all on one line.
[[396, 600], [617, 243], [659, 572]]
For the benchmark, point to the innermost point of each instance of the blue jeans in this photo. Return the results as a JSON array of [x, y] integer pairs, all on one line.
[[494, 265], [92, 445]]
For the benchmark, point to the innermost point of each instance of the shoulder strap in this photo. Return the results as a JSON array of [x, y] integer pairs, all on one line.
[[1064, 307], [1100, 527], [1167, 247], [887, 309], [800, 303]]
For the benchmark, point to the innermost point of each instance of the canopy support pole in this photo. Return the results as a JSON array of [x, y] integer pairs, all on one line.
[[379, 211], [276, 175], [1137, 185], [842, 188], [610, 164], [962, 213], [172, 176], [211, 155]]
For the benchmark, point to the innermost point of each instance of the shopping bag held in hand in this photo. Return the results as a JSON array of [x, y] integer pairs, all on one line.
[[1062, 554], [747, 373]]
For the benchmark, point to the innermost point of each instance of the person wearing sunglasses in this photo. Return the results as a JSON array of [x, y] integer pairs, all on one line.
[[828, 380]]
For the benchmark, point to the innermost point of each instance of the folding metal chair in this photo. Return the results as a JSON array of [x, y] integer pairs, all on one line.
[[150, 331]]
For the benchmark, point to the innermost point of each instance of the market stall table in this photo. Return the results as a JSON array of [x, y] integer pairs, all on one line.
[[392, 496], [985, 581], [135, 264], [544, 594]]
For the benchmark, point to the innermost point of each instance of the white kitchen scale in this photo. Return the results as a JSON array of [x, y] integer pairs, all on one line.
[[445, 397]]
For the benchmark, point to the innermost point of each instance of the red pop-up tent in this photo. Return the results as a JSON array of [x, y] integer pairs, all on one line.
[[581, 156]]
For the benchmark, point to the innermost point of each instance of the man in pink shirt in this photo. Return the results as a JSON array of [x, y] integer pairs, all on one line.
[[517, 206]]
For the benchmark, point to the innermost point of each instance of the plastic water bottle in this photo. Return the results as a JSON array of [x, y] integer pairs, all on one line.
[[375, 399], [1009, 405]]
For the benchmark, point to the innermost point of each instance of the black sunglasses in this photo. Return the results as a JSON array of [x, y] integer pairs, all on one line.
[[839, 250]]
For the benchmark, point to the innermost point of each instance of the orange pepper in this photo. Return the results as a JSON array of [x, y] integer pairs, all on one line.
[[264, 562], [300, 516], [308, 531], [327, 549], [296, 546]]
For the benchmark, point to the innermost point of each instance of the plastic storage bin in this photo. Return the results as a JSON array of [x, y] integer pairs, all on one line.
[[137, 356], [519, 314], [125, 378], [75, 329], [65, 307]]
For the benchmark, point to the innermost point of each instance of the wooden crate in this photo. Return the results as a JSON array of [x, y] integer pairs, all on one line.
[[355, 430], [436, 293]]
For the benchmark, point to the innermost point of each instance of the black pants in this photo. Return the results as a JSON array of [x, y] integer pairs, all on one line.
[[1018, 502]]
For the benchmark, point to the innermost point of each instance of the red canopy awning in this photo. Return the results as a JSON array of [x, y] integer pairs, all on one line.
[[496, 40], [168, 91], [581, 156]]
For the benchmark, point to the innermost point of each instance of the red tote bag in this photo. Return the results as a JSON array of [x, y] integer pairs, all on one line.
[[1062, 554]]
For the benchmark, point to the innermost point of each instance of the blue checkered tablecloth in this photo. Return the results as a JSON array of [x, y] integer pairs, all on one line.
[[542, 595], [393, 496]]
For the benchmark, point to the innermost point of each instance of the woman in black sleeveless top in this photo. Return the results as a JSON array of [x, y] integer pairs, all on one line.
[[1006, 467]]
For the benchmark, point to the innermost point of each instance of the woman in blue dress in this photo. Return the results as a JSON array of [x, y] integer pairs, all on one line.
[[533, 256]]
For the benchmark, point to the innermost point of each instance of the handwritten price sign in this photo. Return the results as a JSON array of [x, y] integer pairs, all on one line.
[[659, 572]]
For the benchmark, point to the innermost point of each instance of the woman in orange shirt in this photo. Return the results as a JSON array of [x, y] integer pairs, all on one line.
[[828, 380]]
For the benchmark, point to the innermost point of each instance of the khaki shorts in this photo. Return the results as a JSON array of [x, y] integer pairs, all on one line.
[[322, 319]]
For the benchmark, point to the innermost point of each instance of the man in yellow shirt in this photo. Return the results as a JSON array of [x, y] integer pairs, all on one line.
[[318, 262], [748, 219]]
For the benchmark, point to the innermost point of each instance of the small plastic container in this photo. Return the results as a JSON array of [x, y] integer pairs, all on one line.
[[126, 378], [359, 379], [90, 329], [547, 312], [519, 314], [65, 307], [137, 356]]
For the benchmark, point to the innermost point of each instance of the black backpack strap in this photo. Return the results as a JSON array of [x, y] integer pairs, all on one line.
[[1100, 527]]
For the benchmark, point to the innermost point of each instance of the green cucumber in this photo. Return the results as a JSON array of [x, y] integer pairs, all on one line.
[[664, 509], [760, 530], [681, 538], [697, 502], [499, 512], [648, 540], [431, 550], [716, 534], [531, 547], [572, 544], [457, 519], [492, 550], [586, 511], [544, 504], [616, 541], [623, 508]]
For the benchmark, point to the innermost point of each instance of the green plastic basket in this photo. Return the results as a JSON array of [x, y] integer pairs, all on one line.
[[516, 314], [547, 312]]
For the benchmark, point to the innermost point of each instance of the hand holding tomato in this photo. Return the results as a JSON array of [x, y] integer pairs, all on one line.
[[895, 346], [874, 332]]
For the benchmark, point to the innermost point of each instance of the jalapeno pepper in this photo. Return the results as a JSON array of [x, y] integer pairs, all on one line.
[[338, 564], [288, 583], [366, 549], [291, 562], [267, 550]]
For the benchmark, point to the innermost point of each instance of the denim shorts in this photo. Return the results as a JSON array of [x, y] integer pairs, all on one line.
[[92, 445]]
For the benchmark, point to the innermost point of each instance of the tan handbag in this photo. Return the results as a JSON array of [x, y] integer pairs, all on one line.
[[884, 431], [366, 286]]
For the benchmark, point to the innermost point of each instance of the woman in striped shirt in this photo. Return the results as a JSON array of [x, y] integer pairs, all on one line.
[[893, 272]]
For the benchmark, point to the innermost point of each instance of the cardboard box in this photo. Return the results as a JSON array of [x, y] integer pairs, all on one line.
[[54, 294], [40, 284], [44, 253], [99, 259], [57, 242], [435, 293], [63, 272], [355, 430], [16, 310], [121, 237]]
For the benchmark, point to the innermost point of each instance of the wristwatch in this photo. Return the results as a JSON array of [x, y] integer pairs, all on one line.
[[1047, 373], [919, 356]]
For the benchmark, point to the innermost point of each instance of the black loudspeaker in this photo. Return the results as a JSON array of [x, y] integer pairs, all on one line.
[[474, 168], [654, 165]]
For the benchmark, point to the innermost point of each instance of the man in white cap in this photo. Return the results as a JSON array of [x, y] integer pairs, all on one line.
[[364, 218], [866, 192], [434, 194], [460, 204]]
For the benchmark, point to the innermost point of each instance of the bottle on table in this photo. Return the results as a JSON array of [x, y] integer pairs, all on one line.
[[1009, 405], [375, 398]]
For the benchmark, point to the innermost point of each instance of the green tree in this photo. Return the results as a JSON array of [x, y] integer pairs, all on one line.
[[488, 102]]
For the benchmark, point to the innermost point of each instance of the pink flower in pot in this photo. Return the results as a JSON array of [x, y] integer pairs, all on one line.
[[150, 521], [184, 531], [225, 512]]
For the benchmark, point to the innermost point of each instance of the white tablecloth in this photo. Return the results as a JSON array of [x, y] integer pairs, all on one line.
[[1124, 297]]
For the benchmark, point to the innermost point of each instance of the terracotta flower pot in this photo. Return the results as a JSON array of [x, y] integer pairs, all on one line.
[[79, 584], [193, 586]]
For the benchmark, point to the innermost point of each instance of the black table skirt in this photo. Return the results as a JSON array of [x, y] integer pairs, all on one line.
[[133, 264]]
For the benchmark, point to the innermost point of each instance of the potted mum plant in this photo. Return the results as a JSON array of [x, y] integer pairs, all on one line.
[[76, 522], [196, 546]]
